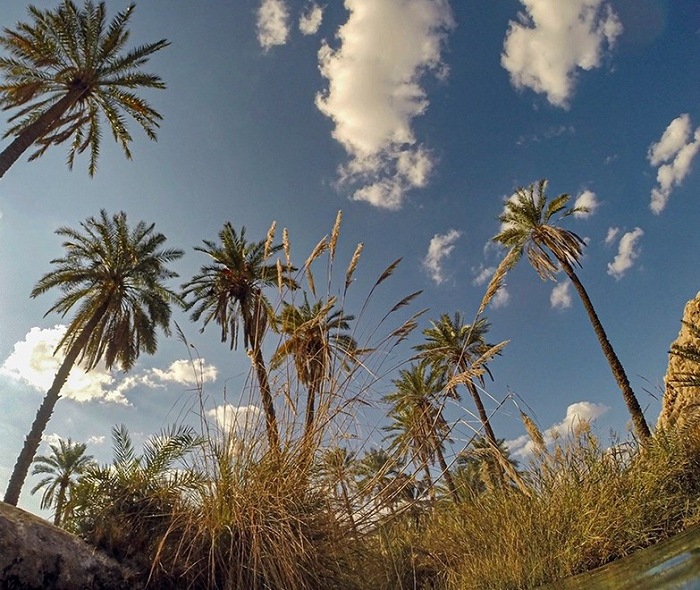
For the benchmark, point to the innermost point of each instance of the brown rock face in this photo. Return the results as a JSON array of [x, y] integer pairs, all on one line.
[[681, 401], [35, 555]]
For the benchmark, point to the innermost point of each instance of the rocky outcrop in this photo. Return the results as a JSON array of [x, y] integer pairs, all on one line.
[[681, 401], [35, 555]]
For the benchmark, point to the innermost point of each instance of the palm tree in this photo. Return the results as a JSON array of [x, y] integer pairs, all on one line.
[[229, 291], [451, 347], [122, 507], [528, 226], [419, 428], [381, 477], [472, 474], [66, 461], [66, 71], [337, 471], [316, 335], [114, 275]]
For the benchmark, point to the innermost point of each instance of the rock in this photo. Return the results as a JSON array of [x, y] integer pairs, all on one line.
[[681, 401], [34, 554]]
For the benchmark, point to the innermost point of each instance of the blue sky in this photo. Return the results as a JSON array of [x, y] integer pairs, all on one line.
[[417, 119]]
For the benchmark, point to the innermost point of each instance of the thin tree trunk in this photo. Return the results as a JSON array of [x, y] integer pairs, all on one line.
[[348, 505], [33, 439], [37, 130], [60, 504], [273, 438], [429, 481], [43, 415], [490, 436], [310, 412], [640, 424], [448, 476]]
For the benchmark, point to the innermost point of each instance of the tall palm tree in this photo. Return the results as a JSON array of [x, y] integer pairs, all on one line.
[[114, 275], [66, 461], [419, 427], [229, 291], [381, 478], [66, 72], [122, 507], [316, 335], [472, 474], [451, 347], [337, 470], [528, 225]]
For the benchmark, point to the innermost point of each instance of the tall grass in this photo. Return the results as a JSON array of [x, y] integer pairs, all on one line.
[[588, 505], [215, 510]]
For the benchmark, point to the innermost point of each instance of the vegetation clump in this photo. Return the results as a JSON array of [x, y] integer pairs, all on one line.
[[284, 494]]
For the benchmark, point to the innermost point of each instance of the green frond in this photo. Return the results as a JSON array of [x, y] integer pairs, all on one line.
[[71, 52]]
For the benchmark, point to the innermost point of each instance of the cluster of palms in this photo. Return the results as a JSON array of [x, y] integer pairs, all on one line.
[[65, 73]]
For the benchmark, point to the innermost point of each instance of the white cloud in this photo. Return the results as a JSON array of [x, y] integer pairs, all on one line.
[[627, 255], [588, 200], [33, 361], [273, 23], [611, 235], [483, 274], [374, 93], [96, 440], [674, 154], [236, 420], [575, 414], [184, 372], [52, 439], [560, 296], [555, 39], [501, 298], [441, 246], [311, 19]]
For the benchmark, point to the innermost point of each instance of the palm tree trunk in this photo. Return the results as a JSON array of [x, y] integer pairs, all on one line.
[[446, 473], [60, 503], [310, 417], [640, 424], [348, 505], [37, 130], [43, 415], [273, 438], [494, 467]]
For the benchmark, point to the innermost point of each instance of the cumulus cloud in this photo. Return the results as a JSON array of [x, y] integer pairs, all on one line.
[[482, 274], [184, 372], [236, 420], [673, 154], [440, 247], [33, 361], [549, 133], [311, 19], [576, 414], [553, 40], [627, 254], [273, 23], [501, 298], [611, 235], [588, 201], [96, 440], [51, 439], [560, 298], [374, 93]]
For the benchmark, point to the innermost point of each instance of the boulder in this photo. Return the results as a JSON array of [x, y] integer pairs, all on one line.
[[681, 401], [35, 554]]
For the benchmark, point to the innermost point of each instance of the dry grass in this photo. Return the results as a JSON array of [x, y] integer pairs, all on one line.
[[232, 516], [589, 505]]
